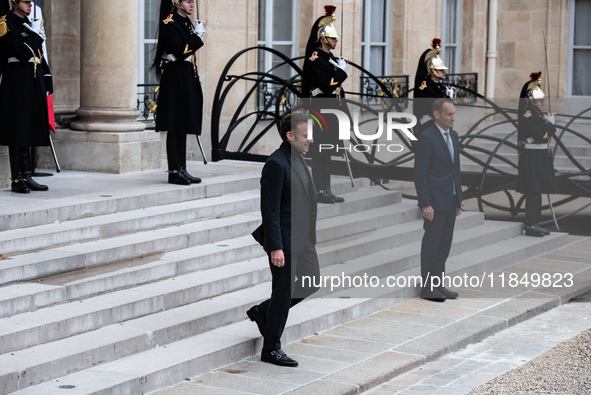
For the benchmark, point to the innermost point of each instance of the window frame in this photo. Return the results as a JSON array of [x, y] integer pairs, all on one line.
[[268, 42], [367, 45], [445, 42], [571, 52]]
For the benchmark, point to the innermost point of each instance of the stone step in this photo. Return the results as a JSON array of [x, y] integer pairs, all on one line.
[[165, 365], [108, 308], [134, 197], [19, 241]]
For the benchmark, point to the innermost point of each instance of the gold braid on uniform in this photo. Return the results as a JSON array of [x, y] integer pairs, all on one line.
[[3, 26]]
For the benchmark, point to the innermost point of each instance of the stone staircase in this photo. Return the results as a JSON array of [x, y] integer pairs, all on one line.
[[135, 289]]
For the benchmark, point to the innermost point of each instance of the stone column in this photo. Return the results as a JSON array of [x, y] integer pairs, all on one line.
[[107, 137]]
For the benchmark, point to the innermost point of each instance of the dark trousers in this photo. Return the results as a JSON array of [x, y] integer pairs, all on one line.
[[533, 208], [287, 291], [436, 244], [321, 171]]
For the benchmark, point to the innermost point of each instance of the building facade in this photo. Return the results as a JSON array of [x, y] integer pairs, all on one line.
[[100, 51]]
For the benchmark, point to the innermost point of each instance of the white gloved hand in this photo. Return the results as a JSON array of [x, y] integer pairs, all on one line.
[[450, 92], [550, 118], [200, 29], [342, 64]]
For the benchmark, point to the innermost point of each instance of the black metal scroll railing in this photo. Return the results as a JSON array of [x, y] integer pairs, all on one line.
[[147, 97], [248, 106]]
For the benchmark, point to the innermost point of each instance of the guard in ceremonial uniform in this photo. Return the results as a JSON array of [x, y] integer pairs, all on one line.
[[25, 82], [180, 98], [428, 86], [536, 171], [324, 75]]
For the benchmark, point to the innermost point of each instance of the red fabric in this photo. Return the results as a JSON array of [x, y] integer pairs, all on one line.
[[50, 112]]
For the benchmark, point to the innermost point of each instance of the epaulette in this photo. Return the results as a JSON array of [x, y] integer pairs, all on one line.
[[314, 56], [167, 20], [527, 114], [3, 26], [423, 85]]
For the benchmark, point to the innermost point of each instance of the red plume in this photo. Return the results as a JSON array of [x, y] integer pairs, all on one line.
[[329, 10], [535, 76], [436, 43]]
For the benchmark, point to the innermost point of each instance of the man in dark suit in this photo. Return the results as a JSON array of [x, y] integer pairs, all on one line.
[[289, 210], [439, 192]]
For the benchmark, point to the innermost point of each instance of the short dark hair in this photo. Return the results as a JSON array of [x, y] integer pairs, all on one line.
[[438, 104], [291, 119]]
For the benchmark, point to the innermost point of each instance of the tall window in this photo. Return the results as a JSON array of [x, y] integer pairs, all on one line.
[[376, 27], [452, 34], [277, 30], [579, 78], [148, 25]]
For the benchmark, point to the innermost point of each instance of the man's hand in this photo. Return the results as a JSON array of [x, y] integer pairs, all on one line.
[[277, 258], [459, 209], [428, 213]]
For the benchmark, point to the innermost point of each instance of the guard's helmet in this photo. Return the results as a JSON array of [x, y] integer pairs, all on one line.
[[432, 59], [14, 3], [532, 88], [325, 27]]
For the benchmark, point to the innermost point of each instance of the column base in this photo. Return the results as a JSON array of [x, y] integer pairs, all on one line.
[[105, 152]]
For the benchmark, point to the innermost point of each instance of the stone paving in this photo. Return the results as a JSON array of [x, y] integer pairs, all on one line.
[[420, 347]]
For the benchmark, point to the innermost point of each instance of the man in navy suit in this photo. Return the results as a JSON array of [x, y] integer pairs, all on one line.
[[289, 211], [439, 192]]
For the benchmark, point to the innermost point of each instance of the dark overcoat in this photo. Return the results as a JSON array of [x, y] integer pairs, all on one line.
[[25, 83], [180, 98], [536, 170], [288, 204]]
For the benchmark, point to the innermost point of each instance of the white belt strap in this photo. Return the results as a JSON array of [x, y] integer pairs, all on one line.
[[12, 59], [173, 58], [535, 146], [316, 92]]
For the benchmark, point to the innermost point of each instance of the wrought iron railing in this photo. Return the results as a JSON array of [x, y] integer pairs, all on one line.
[[147, 99], [488, 147], [374, 94]]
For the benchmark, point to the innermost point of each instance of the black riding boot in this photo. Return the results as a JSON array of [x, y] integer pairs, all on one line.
[[28, 171], [533, 208], [16, 171], [173, 147], [183, 168]]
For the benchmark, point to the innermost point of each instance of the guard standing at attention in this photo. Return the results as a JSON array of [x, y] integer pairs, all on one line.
[[428, 86], [324, 75], [536, 171], [180, 98], [25, 82]]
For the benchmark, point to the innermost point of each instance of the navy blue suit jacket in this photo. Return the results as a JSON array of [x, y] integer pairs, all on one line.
[[434, 171]]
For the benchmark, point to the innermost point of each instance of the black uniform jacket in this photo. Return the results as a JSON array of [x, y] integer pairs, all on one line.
[[25, 83], [536, 170], [288, 203], [323, 84], [180, 99], [424, 95]]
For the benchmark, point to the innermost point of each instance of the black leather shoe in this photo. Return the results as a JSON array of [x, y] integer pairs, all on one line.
[[174, 177], [323, 197], [278, 358], [18, 185], [533, 231], [33, 185], [447, 293], [185, 173], [432, 295], [540, 229], [334, 197], [258, 318]]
